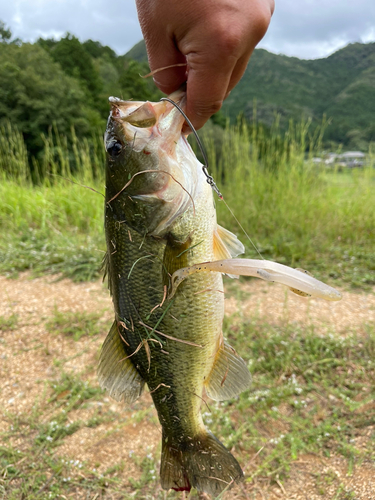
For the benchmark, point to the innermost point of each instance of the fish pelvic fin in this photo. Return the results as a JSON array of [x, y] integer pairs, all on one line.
[[229, 375], [116, 373], [202, 463]]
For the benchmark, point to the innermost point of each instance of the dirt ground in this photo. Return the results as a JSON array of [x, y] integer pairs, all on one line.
[[35, 300]]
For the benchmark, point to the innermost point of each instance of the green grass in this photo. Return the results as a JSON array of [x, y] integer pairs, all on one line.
[[74, 324], [312, 389], [51, 228], [294, 212], [8, 323], [310, 394]]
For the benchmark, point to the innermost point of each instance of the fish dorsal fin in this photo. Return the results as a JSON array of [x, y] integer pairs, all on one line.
[[226, 244], [229, 375], [117, 374]]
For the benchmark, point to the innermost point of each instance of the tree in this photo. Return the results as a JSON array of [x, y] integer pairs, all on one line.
[[5, 33], [132, 85], [70, 53], [35, 93]]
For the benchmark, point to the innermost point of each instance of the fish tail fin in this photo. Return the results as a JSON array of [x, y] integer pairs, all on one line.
[[202, 463]]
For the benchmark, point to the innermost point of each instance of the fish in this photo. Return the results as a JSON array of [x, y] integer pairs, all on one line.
[[166, 255]]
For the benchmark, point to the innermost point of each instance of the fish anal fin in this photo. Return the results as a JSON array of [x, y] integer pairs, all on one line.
[[117, 374], [229, 375]]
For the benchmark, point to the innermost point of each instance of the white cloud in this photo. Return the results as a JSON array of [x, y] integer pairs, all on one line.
[[316, 28], [307, 28], [112, 23]]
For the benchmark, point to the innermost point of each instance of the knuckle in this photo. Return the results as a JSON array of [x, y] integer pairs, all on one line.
[[227, 39], [229, 42], [262, 18], [204, 109]]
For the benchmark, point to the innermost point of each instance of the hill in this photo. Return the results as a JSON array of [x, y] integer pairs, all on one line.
[[341, 86]]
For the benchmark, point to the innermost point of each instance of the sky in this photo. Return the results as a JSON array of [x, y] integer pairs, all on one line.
[[307, 29]]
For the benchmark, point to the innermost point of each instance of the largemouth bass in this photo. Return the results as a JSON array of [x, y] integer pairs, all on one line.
[[165, 259]]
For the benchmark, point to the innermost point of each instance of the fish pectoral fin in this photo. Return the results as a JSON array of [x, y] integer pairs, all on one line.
[[300, 282], [116, 373], [226, 246], [229, 375]]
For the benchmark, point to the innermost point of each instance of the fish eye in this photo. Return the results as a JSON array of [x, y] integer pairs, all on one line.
[[114, 149]]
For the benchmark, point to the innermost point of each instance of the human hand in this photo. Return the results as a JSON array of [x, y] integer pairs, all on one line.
[[214, 38]]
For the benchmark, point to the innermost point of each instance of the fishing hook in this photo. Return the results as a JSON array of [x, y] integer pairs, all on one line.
[[209, 177]]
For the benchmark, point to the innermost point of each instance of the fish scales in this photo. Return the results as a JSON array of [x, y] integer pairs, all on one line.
[[195, 314]]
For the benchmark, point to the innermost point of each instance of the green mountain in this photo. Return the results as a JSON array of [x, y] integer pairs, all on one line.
[[341, 86], [138, 52]]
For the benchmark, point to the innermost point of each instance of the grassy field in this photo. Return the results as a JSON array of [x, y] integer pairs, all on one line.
[[312, 398], [294, 212]]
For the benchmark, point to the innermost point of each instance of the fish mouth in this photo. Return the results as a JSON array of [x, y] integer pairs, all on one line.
[[136, 122]]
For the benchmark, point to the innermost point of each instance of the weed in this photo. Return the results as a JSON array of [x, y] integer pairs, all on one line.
[[74, 324], [8, 323], [70, 391], [307, 395]]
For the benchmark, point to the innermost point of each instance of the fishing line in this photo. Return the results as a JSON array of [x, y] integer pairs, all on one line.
[[209, 177], [243, 229]]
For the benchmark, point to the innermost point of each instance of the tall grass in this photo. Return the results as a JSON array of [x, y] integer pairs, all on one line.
[[64, 156], [294, 211]]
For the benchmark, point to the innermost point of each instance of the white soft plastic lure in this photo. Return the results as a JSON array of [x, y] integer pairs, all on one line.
[[298, 281]]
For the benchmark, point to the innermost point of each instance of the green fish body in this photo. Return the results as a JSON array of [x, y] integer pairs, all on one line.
[[162, 221]]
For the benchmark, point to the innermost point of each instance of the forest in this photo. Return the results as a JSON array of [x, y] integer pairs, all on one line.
[[64, 85]]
